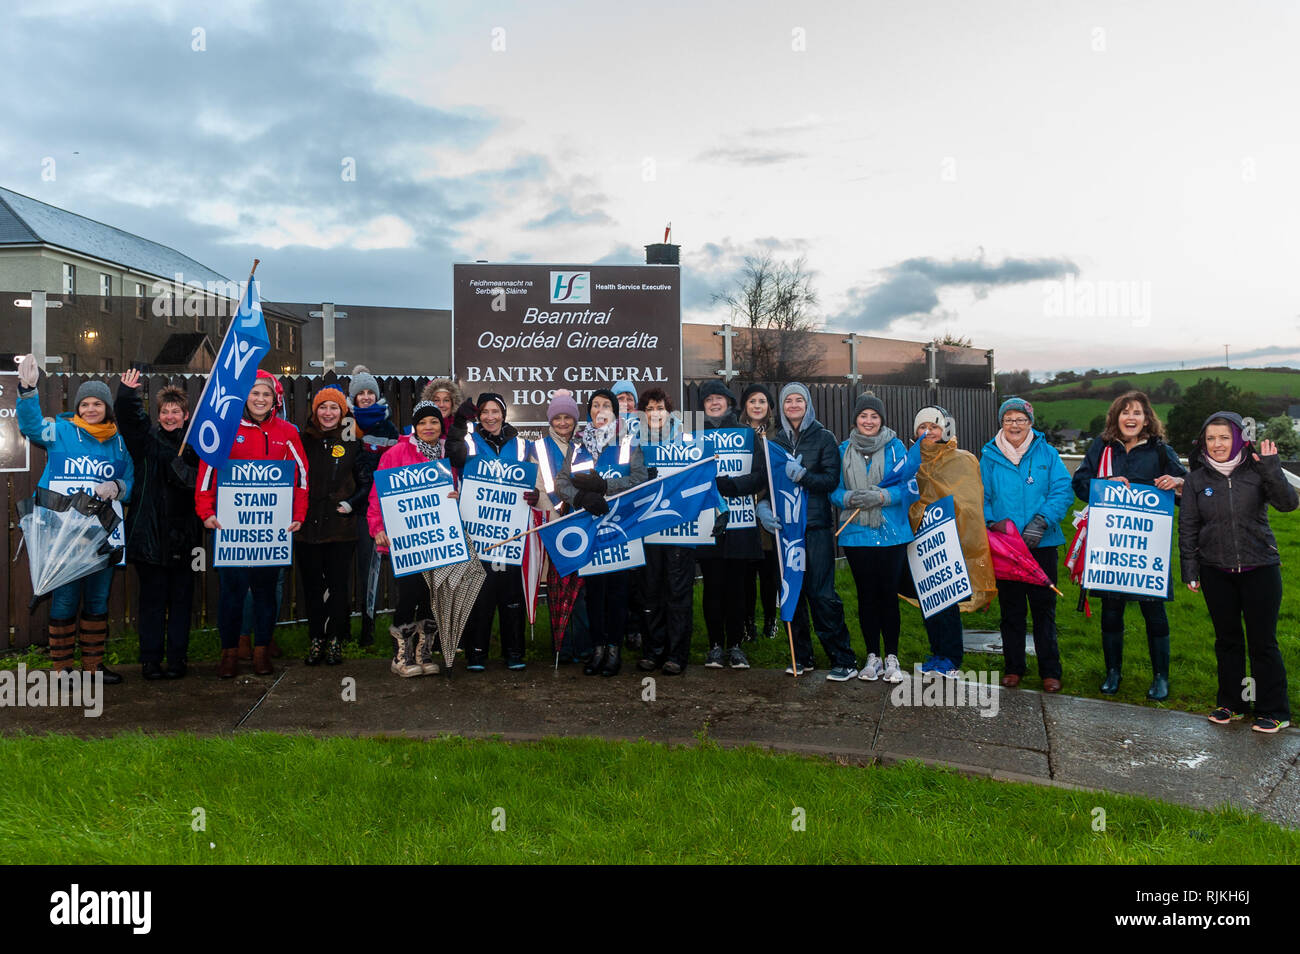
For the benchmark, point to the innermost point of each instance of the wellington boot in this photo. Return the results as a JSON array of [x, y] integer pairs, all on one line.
[[229, 665], [1159, 648], [1112, 647]]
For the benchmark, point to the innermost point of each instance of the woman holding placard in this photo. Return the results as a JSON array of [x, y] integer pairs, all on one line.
[[1229, 554], [262, 435], [875, 533], [1131, 449], [340, 488], [413, 631], [378, 432], [76, 443], [763, 577], [602, 460], [1026, 482]]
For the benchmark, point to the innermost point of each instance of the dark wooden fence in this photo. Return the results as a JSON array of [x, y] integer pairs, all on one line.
[[974, 410]]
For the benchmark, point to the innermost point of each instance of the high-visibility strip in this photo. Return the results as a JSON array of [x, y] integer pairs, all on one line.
[[625, 450], [521, 449], [544, 465]]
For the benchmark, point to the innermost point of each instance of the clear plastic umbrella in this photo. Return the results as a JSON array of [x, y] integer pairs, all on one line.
[[66, 537]]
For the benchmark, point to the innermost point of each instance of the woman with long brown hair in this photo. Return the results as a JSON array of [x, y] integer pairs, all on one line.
[[1132, 449]]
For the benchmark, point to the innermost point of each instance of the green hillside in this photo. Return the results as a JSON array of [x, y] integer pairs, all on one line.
[[1077, 412], [1263, 383]]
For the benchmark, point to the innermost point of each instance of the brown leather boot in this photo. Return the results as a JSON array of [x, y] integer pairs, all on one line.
[[228, 668], [276, 651], [262, 660], [93, 636], [245, 647], [63, 643]]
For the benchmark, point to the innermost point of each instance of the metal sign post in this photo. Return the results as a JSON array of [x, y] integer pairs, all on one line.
[[727, 371], [327, 314], [38, 303], [852, 342]]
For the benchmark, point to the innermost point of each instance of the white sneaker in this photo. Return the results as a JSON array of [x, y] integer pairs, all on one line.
[[893, 671], [871, 669]]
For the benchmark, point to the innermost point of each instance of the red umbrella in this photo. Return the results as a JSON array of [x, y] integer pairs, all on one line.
[[1012, 559], [561, 594]]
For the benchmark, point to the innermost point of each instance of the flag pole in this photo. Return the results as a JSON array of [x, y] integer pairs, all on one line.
[[771, 495], [847, 522], [638, 487]]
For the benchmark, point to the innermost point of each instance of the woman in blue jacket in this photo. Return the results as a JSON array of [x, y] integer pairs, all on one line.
[[84, 453], [1026, 482], [876, 533]]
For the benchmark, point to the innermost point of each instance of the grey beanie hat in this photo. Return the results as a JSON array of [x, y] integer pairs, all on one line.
[[867, 401], [95, 389], [362, 380]]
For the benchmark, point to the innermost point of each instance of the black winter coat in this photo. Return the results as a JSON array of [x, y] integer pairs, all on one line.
[[162, 528], [338, 470], [1224, 520], [821, 455], [739, 543], [1142, 465]]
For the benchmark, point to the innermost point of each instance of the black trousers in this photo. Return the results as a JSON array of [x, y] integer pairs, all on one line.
[[724, 611], [1112, 615], [876, 572], [1254, 596], [943, 629], [606, 607], [1015, 600], [762, 581], [413, 601], [502, 595], [670, 588], [166, 601], [638, 600], [818, 596], [322, 568]]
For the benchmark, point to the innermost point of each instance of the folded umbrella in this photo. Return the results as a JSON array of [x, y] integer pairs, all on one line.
[[453, 590], [66, 538], [1012, 559]]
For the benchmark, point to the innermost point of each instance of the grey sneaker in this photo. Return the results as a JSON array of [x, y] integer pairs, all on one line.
[[893, 671], [736, 659], [714, 659], [789, 670], [871, 669], [841, 674]]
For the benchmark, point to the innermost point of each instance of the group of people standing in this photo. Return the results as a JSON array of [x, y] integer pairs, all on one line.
[[588, 454]]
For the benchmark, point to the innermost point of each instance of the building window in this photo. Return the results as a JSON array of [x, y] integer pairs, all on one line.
[[106, 364], [69, 279], [139, 301], [70, 362], [277, 335], [291, 337], [105, 292], [173, 309]]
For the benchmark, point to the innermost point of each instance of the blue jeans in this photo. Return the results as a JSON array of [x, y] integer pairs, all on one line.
[[90, 593], [236, 581]]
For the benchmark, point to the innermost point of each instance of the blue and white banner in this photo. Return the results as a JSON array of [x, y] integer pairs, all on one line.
[[621, 556], [422, 523], [935, 557], [68, 475], [493, 508], [221, 405], [735, 449], [1130, 536], [671, 459], [790, 506], [644, 509], [254, 508]]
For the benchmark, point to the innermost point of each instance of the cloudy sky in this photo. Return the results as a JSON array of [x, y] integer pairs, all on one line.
[[1071, 184]]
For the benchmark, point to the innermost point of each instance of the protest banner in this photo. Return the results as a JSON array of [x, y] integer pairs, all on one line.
[[254, 508], [938, 566], [421, 521], [735, 449], [68, 475], [671, 459], [1130, 533], [492, 505], [627, 555]]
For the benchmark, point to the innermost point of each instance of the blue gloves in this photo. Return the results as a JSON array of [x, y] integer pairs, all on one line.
[[794, 469], [767, 518]]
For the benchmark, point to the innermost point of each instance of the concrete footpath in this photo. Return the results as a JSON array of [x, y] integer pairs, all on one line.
[[1051, 740]]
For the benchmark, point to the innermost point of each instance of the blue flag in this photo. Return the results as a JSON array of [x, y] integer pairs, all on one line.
[[904, 472], [644, 509], [221, 405], [790, 505]]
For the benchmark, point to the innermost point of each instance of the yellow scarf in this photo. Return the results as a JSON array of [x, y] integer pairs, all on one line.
[[100, 432]]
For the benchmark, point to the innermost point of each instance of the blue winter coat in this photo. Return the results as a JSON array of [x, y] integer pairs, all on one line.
[[1040, 485], [895, 528], [83, 457]]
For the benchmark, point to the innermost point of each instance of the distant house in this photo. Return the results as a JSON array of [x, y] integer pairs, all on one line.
[[124, 297], [1293, 412]]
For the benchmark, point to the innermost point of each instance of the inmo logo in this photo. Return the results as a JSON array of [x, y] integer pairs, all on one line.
[[572, 288], [413, 476], [256, 472], [932, 515], [1119, 493], [501, 470]]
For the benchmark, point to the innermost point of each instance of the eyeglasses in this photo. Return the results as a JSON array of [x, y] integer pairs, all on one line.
[[1016, 421]]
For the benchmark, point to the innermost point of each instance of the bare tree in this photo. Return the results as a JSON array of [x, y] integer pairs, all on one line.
[[772, 304]]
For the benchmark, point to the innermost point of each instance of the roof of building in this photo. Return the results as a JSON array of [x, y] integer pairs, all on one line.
[[24, 221], [179, 348]]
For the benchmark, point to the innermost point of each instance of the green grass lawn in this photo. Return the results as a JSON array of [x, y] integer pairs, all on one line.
[[1079, 412], [1264, 383], [1193, 677], [270, 799]]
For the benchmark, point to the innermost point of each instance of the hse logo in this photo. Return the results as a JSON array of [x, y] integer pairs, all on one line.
[[571, 288]]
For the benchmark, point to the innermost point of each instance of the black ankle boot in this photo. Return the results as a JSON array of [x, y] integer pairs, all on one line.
[[1112, 647], [612, 661], [596, 663], [315, 652]]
